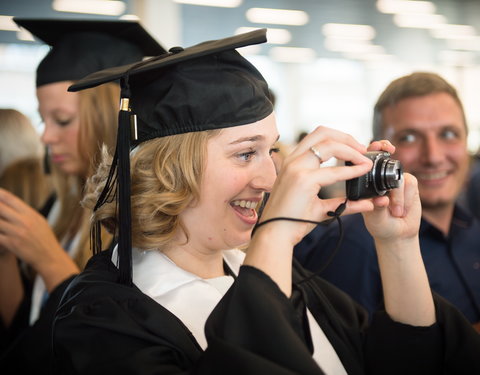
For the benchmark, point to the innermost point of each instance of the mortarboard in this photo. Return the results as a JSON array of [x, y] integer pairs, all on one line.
[[204, 87], [81, 47]]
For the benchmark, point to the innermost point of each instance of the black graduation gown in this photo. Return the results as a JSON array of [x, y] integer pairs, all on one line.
[[106, 328], [25, 348], [30, 348]]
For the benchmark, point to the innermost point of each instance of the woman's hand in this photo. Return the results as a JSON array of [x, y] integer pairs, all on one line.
[[26, 233], [397, 215], [295, 193], [394, 225]]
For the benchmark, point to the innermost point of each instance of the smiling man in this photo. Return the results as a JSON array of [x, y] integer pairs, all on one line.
[[422, 115]]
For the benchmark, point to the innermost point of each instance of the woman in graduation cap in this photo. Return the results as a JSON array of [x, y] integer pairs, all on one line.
[[176, 295], [76, 127]]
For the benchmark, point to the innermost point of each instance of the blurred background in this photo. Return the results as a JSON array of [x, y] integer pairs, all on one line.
[[326, 60]]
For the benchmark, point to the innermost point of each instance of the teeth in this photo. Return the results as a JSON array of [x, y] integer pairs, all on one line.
[[245, 204], [431, 176]]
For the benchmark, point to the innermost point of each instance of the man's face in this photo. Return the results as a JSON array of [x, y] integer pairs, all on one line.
[[431, 143]]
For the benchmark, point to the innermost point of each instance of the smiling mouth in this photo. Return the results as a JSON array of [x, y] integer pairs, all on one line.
[[432, 176], [246, 208]]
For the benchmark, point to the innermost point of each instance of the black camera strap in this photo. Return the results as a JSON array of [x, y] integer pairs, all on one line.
[[334, 215]]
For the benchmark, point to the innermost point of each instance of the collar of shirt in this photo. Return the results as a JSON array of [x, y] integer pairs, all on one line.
[[461, 219], [154, 269], [187, 296]]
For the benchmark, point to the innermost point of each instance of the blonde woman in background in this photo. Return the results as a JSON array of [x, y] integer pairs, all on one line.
[[76, 127], [21, 157]]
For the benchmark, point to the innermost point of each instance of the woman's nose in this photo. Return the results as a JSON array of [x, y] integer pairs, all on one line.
[[266, 176], [49, 135]]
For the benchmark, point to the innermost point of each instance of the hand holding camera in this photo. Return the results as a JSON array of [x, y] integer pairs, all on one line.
[[386, 174]]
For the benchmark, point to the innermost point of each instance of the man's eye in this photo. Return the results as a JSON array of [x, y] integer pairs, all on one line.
[[449, 135], [407, 138]]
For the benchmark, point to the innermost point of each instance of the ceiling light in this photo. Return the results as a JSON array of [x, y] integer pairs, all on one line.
[[351, 46], [212, 3], [350, 31], [277, 16], [405, 7], [420, 21], [370, 57], [129, 17], [6, 23], [274, 36], [292, 54], [471, 44], [25, 35], [448, 31], [253, 49], [104, 7]]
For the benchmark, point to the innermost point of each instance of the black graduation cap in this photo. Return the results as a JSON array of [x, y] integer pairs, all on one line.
[[81, 47], [204, 87]]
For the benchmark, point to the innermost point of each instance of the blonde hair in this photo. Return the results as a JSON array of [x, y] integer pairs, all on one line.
[[165, 179], [98, 110], [18, 140], [25, 178]]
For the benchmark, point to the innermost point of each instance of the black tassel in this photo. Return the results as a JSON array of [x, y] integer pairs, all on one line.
[[107, 195], [117, 187], [123, 198]]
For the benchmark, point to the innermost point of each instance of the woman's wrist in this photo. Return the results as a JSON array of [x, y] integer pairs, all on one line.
[[399, 248], [57, 269]]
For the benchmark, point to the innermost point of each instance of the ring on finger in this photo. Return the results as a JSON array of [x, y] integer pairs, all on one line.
[[316, 153]]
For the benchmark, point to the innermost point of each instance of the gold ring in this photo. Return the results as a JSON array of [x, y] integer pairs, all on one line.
[[316, 153]]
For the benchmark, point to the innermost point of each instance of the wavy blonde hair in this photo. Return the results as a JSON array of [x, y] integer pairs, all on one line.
[[165, 179], [98, 111]]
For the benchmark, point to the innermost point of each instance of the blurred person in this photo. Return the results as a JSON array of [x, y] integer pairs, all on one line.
[[470, 197], [19, 139], [422, 115], [21, 173], [26, 179], [177, 296], [76, 127], [21, 157]]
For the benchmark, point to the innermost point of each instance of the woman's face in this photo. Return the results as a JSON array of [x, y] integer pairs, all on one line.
[[239, 170], [59, 110]]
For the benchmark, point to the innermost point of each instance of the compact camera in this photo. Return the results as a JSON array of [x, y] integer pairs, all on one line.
[[386, 174]]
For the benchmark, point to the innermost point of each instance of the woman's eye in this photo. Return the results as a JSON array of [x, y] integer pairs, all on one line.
[[274, 150], [62, 122], [246, 156]]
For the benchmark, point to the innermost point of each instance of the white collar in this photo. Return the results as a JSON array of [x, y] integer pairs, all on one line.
[[167, 275], [187, 296]]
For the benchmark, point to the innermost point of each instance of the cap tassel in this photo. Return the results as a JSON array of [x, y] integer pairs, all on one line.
[[123, 199]]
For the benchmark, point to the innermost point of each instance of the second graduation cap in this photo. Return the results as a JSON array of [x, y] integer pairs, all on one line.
[[204, 87], [80, 47]]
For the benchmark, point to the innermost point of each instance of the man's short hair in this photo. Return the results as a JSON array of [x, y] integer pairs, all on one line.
[[415, 84]]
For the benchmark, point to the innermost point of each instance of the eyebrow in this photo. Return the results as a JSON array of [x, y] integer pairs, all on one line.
[[251, 139]]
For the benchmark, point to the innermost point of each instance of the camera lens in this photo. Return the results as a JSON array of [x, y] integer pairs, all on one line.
[[387, 173], [392, 174]]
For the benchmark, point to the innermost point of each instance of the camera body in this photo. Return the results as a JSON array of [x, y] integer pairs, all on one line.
[[386, 174]]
